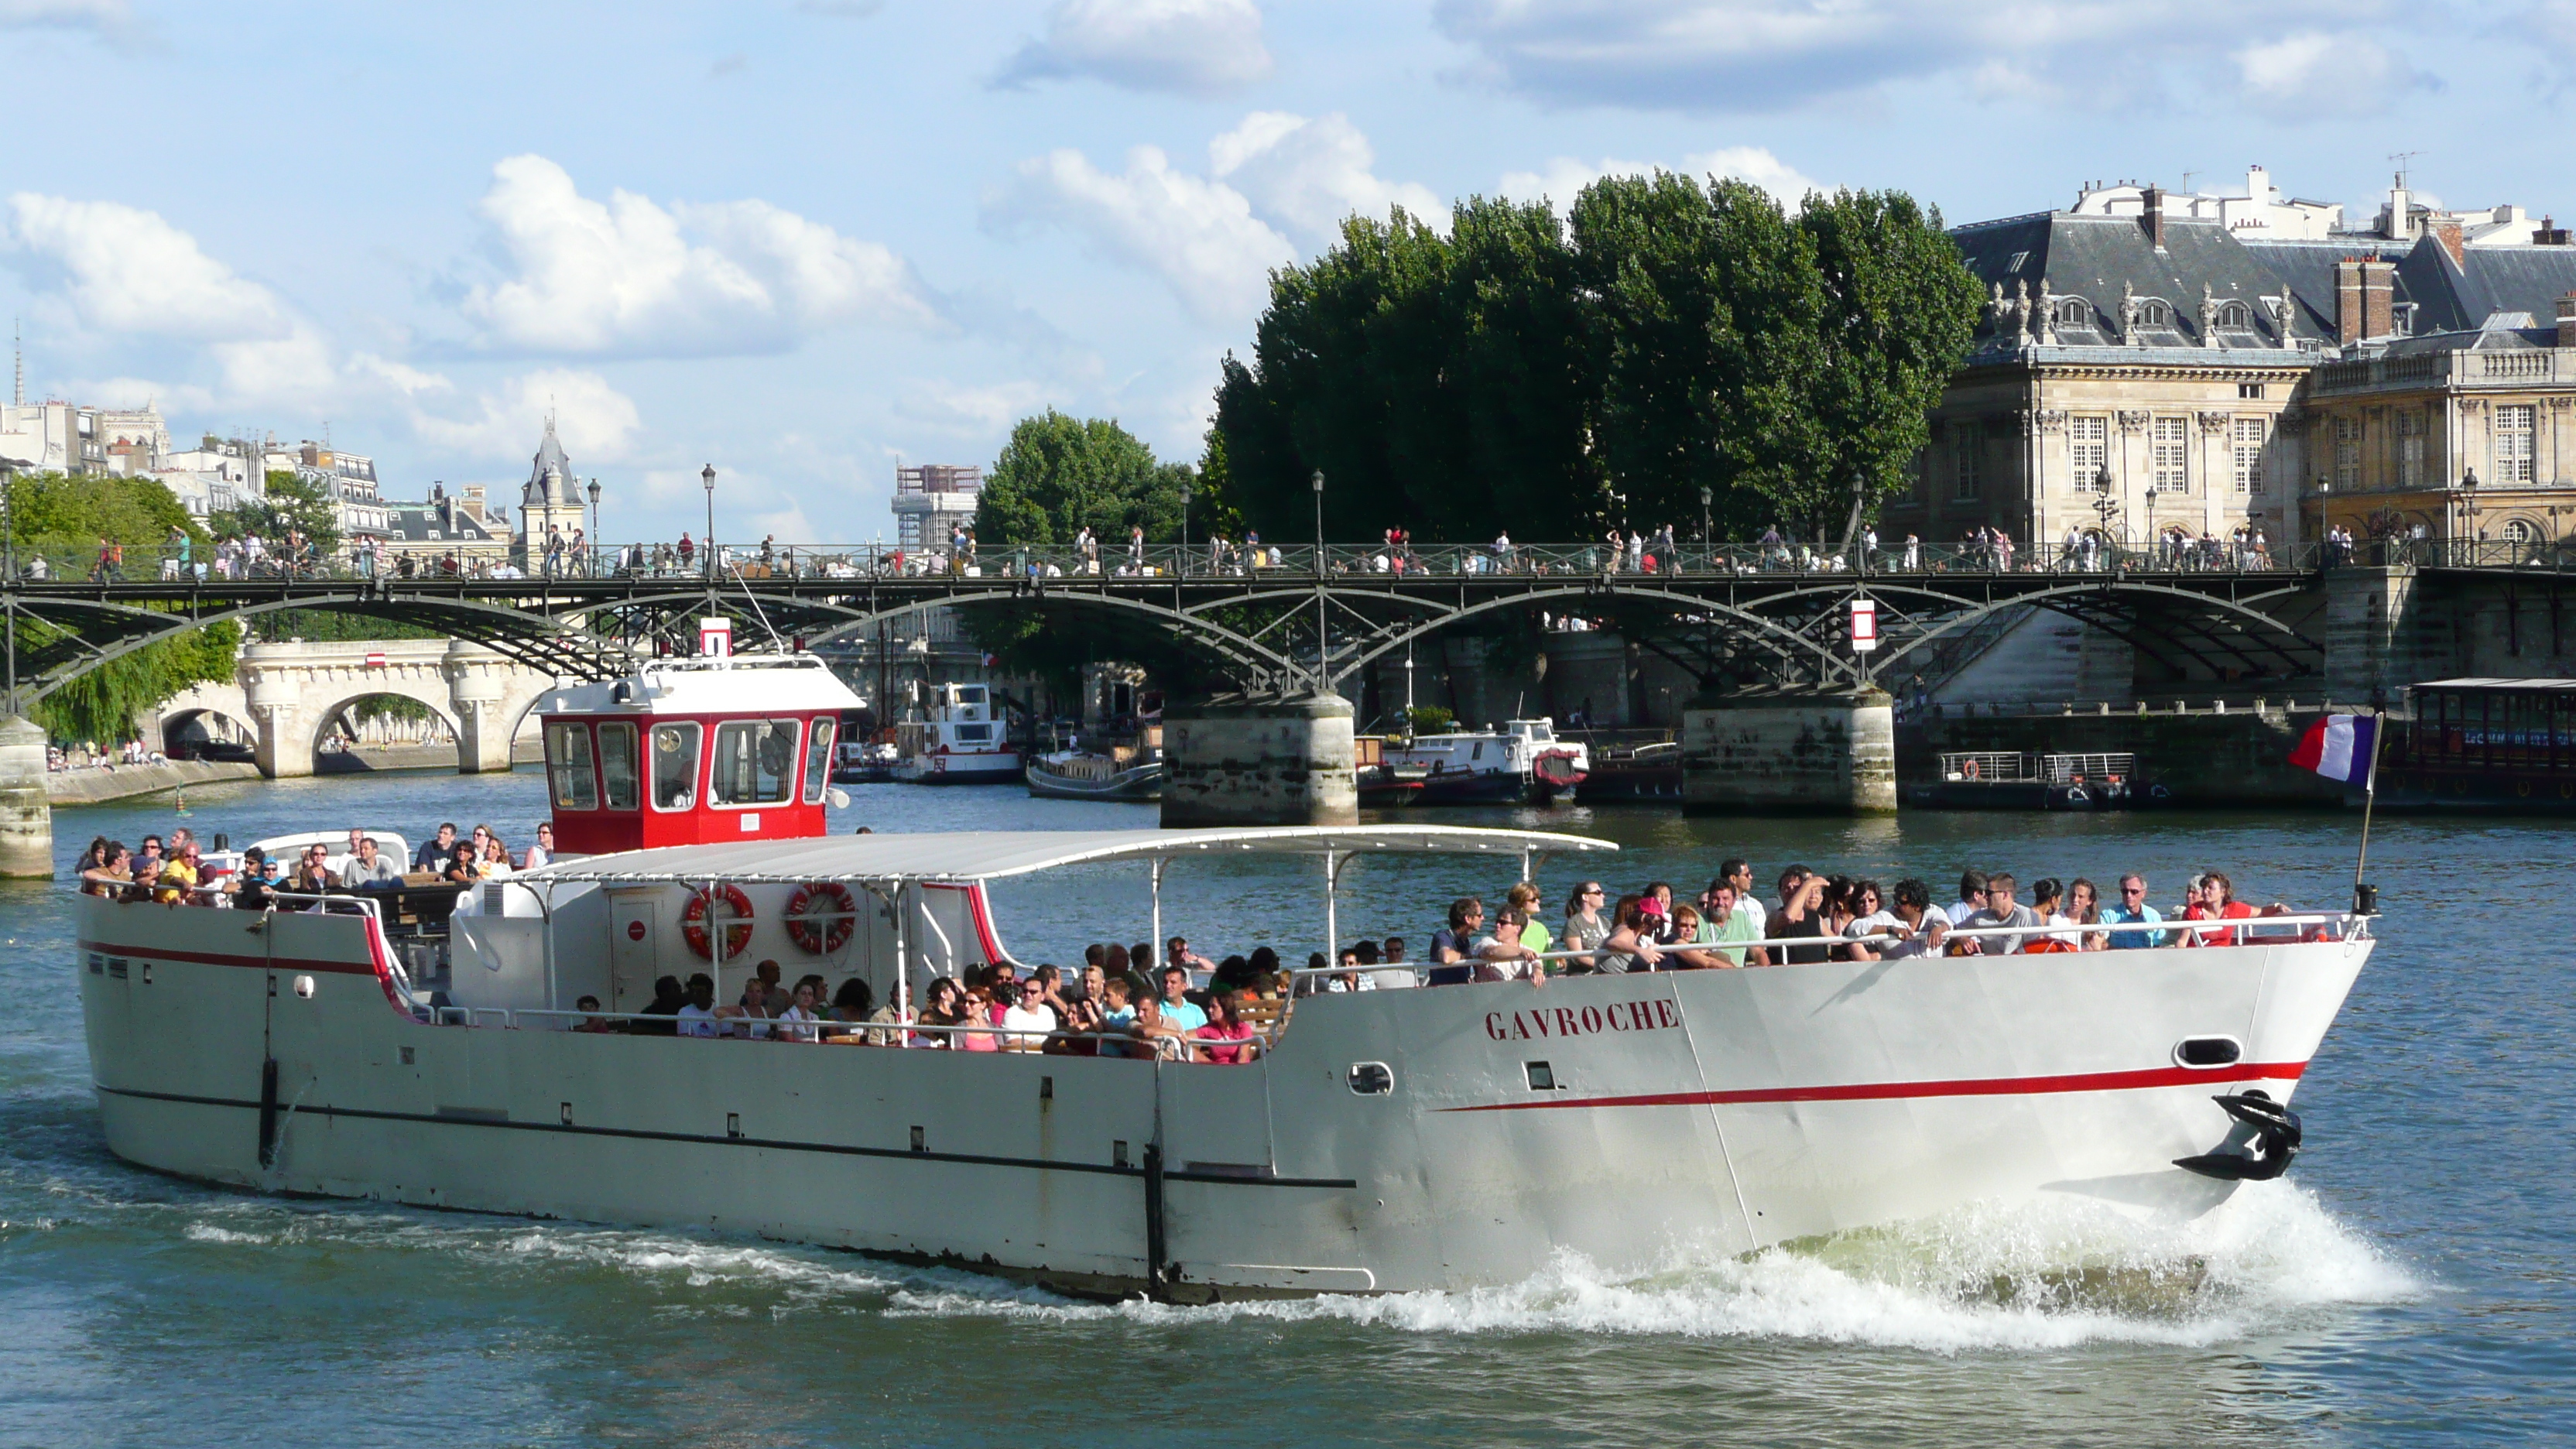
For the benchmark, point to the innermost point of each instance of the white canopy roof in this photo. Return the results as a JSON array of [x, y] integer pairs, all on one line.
[[992, 854]]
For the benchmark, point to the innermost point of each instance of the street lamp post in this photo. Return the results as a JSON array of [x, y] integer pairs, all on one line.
[[2106, 507], [589, 558], [708, 477], [1322, 650], [2469, 511], [1707, 535], [1189, 476], [2155, 546]]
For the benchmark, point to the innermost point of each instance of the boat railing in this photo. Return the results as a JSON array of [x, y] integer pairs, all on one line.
[[803, 1033], [2250, 931]]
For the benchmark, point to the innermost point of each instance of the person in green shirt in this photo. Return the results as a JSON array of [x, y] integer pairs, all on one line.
[[1524, 898], [1724, 923]]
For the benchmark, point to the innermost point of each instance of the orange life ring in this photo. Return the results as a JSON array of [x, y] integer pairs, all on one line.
[[1969, 770], [2046, 943], [737, 931], [838, 917]]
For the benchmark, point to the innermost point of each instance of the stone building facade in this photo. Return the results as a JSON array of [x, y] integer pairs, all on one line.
[[2137, 376]]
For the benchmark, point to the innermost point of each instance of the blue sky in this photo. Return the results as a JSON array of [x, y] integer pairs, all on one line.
[[802, 238]]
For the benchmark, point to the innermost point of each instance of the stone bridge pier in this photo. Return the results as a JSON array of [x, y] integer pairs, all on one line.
[[288, 694]]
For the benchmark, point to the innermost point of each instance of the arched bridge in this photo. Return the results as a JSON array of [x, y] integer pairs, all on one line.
[[1279, 622]]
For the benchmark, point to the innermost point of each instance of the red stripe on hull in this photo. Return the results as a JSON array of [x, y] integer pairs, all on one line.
[[215, 958], [1971, 1087]]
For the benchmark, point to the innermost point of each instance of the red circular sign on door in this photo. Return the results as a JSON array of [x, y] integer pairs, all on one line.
[[635, 930]]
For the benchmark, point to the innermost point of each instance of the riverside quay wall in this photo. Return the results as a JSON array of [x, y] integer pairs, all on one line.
[[2210, 757]]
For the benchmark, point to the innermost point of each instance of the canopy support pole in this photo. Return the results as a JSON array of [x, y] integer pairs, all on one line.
[[902, 962], [1332, 905], [1156, 941]]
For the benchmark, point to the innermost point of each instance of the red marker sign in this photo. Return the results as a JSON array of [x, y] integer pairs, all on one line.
[[1864, 625]]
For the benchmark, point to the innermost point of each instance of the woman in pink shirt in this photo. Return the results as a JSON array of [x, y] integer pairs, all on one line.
[[1224, 1024]]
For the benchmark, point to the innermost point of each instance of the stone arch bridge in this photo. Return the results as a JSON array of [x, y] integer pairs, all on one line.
[[285, 696]]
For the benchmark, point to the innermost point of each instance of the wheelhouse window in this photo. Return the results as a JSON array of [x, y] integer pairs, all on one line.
[[818, 759], [754, 762], [675, 766], [617, 772], [575, 784]]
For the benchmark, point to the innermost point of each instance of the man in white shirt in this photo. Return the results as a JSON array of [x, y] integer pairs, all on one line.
[[1026, 1021], [698, 1018], [1500, 956]]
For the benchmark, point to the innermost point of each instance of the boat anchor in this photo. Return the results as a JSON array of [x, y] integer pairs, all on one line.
[[2274, 1143]]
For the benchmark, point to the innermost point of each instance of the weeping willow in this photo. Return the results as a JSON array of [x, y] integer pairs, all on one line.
[[103, 704]]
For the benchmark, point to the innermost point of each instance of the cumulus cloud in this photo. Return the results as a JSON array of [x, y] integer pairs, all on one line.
[[2317, 73], [630, 277], [1192, 47], [596, 422], [1215, 238], [104, 16], [1199, 235], [973, 411], [1309, 174], [1721, 55], [1563, 177], [123, 269]]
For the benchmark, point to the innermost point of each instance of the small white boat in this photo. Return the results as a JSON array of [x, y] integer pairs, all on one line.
[[960, 743], [1084, 775], [1521, 763]]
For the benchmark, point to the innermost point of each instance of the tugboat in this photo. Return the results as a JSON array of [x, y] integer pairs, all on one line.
[[1521, 763], [961, 743], [1121, 772]]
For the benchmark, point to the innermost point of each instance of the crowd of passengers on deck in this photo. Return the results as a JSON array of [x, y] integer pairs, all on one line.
[[174, 872]]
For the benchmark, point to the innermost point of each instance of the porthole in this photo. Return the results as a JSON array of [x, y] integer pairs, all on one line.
[[2208, 1051], [1371, 1079]]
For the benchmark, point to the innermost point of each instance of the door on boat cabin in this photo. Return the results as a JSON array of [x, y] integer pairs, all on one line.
[[634, 942]]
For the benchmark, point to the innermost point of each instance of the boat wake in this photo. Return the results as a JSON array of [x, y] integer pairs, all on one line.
[[1980, 1279], [1976, 1280]]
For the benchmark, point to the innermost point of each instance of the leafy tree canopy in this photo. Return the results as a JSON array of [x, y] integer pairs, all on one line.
[[1546, 377], [1059, 474], [292, 503], [65, 517]]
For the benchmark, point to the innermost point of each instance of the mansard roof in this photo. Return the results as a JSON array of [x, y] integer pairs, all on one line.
[[2100, 259]]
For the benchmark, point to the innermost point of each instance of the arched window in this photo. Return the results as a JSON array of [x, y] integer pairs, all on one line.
[[2235, 317], [2152, 313], [2074, 312], [2519, 530]]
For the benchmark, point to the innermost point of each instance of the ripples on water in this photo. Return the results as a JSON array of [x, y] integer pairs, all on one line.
[[2408, 1283]]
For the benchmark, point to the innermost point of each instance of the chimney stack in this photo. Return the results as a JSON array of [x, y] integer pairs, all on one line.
[[2153, 217], [2365, 300], [2447, 232], [2567, 320]]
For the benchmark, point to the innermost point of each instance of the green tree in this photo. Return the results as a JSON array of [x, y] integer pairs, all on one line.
[[291, 503], [1060, 474], [63, 518]]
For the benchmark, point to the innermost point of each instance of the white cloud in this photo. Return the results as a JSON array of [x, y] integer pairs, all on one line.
[[1563, 177], [104, 16], [128, 270], [1193, 47], [973, 411], [2317, 74], [629, 277], [1311, 174], [1199, 235], [1732, 55], [596, 422]]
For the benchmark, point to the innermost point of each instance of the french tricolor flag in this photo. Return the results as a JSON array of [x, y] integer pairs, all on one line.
[[2339, 747]]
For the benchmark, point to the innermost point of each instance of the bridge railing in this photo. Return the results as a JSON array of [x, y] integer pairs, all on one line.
[[1249, 561]]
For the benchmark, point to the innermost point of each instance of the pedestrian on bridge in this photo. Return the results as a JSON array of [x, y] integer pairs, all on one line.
[[688, 551]]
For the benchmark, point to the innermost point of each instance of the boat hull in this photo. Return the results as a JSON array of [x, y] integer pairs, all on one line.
[[1693, 1113], [955, 769], [1144, 782]]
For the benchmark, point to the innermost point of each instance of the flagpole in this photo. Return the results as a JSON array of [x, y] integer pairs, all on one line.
[[2365, 900]]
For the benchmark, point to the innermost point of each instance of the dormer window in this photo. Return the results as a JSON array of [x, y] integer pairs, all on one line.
[[2235, 317], [2074, 312], [2152, 313]]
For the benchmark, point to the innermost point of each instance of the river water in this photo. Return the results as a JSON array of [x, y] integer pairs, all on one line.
[[2409, 1282]]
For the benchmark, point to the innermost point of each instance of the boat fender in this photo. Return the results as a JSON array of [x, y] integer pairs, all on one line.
[[2076, 795], [829, 900], [2274, 1142], [737, 932]]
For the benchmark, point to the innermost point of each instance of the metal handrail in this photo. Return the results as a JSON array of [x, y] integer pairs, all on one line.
[[780, 1030]]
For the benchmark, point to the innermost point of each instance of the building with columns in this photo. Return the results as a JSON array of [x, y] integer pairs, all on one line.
[[2142, 371]]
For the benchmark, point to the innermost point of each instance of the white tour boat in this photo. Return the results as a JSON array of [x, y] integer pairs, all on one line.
[[1521, 763], [1375, 1140], [961, 742]]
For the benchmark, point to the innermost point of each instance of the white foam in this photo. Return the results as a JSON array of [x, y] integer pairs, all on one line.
[[2027, 1279], [209, 1233]]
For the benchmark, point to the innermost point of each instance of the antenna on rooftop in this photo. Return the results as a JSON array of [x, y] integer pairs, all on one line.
[[2186, 181], [2399, 159], [18, 344]]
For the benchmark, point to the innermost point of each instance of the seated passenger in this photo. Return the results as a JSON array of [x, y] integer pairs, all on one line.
[[1450, 965], [1534, 934], [111, 876], [312, 876], [1176, 1009], [256, 882], [1630, 946], [1723, 922], [1117, 1016], [1912, 929], [180, 874], [668, 998], [1685, 954], [1155, 1035], [433, 855], [495, 864], [1027, 1019], [369, 870], [945, 1006], [1801, 913], [1225, 1024], [697, 1016], [796, 1022], [854, 1002], [748, 1016], [2001, 910], [1500, 956], [461, 868], [981, 1011], [2133, 910], [592, 1025], [1585, 926], [2218, 902]]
